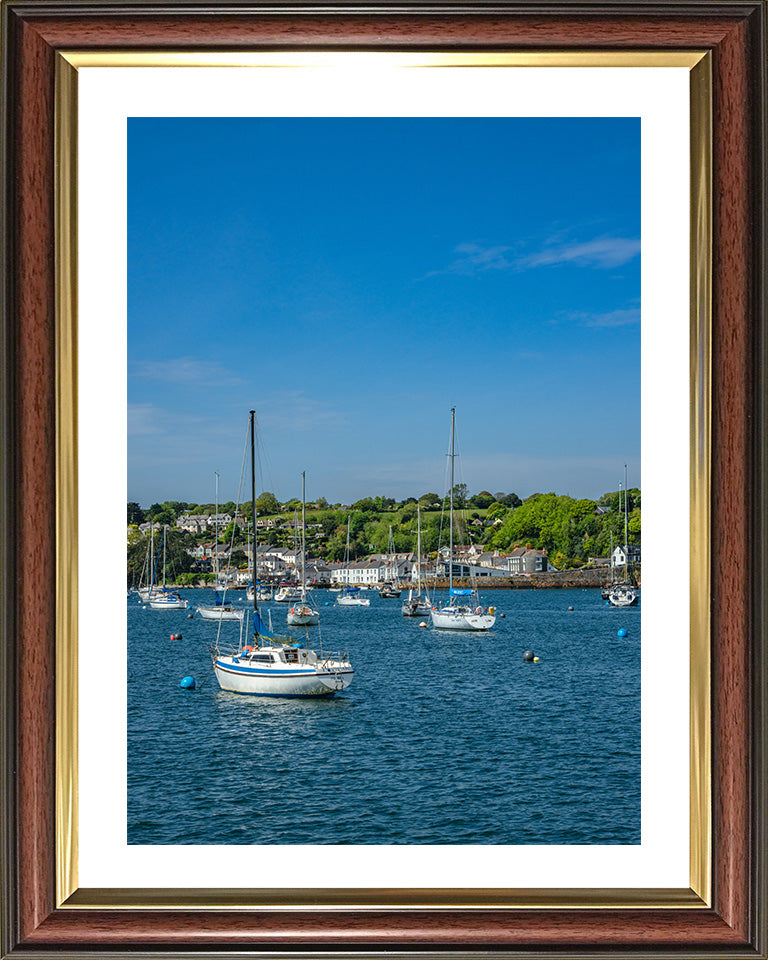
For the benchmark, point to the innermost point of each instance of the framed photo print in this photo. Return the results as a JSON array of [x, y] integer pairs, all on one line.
[[381, 321]]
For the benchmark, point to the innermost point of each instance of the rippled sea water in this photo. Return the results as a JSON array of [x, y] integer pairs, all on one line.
[[443, 737]]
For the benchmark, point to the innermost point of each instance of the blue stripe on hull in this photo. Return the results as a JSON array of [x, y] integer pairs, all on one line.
[[255, 672]]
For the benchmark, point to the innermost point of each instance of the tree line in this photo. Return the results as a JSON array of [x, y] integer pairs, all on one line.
[[570, 530]]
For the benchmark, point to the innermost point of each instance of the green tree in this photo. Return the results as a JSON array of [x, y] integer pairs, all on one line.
[[231, 529], [177, 559], [460, 491], [135, 513], [266, 504], [175, 507], [508, 499], [495, 511], [482, 500]]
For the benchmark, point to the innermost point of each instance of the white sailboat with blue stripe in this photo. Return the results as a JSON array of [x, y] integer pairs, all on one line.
[[270, 666]]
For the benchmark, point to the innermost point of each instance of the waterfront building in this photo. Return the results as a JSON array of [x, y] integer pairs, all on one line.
[[631, 556]]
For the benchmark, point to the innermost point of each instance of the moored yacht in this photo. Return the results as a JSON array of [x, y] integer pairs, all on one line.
[[277, 667], [463, 610]]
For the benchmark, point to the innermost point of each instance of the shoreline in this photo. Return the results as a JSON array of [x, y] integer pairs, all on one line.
[[592, 579]]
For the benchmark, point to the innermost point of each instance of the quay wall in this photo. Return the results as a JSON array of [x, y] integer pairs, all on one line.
[[553, 580]]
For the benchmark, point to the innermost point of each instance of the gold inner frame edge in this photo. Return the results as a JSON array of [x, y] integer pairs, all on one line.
[[68, 895]]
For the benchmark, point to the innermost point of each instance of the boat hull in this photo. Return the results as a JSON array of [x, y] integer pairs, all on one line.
[[298, 618], [214, 613], [283, 681], [169, 604], [414, 608], [462, 621], [353, 602], [625, 597]]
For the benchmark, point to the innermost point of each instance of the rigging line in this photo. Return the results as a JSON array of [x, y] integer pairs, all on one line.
[[463, 510], [234, 528], [261, 451], [238, 502]]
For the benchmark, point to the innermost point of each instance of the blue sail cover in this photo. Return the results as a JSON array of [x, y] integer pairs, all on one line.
[[259, 628], [461, 593]]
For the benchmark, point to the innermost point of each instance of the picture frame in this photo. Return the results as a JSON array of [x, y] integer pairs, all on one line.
[[723, 913]]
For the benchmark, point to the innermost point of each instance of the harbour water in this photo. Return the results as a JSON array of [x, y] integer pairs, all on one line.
[[443, 737]]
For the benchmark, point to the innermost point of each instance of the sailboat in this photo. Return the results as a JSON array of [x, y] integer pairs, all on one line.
[[221, 609], [167, 599], [264, 590], [147, 589], [350, 596], [391, 586], [607, 588], [463, 610], [277, 667], [624, 593], [288, 594], [303, 613], [417, 604]]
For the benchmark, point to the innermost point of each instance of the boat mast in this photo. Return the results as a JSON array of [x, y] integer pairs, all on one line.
[[250, 557], [216, 537], [418, 548], [626, 528], [165, 531], [253, 516], [450, 535], [151, 556], [303, 536]]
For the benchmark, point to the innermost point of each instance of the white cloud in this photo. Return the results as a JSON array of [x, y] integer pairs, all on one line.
[[614, 318], [611, 318], [185, 370], [602, 253], [142, 420]]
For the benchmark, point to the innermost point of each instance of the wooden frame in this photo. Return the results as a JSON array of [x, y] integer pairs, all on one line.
[[735, 924]]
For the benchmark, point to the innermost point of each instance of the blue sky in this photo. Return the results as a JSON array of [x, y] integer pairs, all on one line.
[[352, 279]]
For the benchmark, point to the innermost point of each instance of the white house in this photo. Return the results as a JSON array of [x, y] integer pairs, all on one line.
[[632, 555]]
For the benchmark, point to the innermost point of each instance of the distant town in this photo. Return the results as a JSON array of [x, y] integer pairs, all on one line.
[[545, 537]]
